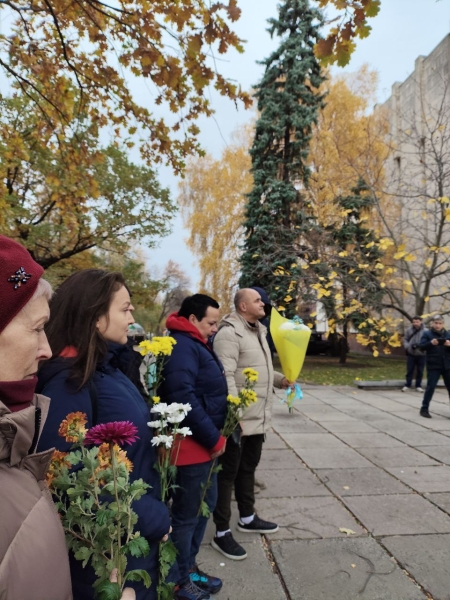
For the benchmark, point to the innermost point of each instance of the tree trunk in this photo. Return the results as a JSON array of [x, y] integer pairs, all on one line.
[[343, 345]]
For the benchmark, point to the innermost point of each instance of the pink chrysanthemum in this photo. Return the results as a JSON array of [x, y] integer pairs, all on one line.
[[117, 432]]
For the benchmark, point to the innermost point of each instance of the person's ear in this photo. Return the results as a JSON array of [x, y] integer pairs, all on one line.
[[193, 319]]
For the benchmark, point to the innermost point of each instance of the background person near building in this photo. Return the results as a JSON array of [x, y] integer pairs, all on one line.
[[241, 343], [415, 358], [194, 375], [436, 343]]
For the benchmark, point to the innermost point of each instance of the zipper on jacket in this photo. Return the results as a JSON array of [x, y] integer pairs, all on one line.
[[37, 428]]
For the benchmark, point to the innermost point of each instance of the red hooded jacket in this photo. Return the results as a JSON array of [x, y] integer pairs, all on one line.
[[188, 450]]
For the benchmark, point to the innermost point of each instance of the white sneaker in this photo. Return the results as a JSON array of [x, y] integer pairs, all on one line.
[[419, 389], [405, 388]]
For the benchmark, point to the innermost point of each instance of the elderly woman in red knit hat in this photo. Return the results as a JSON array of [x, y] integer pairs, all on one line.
[[33, 558]]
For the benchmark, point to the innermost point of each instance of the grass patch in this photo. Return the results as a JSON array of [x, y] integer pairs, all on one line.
[[326, 370]]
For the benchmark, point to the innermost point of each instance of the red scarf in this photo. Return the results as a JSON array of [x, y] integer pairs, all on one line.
[[176, 323], [17, 395], [69, 352]]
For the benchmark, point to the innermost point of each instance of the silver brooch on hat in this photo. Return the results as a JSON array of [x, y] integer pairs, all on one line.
[[20, 277]]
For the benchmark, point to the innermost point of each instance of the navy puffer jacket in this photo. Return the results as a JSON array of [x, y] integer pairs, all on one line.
[[194, 374], [438, 357], [118, 400]]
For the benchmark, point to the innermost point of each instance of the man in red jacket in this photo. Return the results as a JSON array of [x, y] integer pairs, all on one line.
[[194, 375]]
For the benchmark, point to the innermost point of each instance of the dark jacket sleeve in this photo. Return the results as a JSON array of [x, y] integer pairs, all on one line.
[[153, 518], [406, 339], [63, 401], [425, 340], [179, 376]]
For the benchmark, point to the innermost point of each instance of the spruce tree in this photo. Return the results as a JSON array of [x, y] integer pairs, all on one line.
[[288, 103]]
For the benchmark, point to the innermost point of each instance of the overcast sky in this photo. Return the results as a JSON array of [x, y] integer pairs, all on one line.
[[402, 31]]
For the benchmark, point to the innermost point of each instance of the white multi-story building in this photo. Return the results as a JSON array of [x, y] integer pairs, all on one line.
[[415, 205]]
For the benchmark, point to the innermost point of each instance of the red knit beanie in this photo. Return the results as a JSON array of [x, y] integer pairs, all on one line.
[[19, 278]]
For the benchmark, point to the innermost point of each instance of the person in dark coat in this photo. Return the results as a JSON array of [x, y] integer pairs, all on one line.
[[266, 320], [194, 375], [436, 343], [131, 359], [90, 315], [415, 358]]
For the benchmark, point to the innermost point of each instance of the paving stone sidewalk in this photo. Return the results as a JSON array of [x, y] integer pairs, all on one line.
[[359, 484]]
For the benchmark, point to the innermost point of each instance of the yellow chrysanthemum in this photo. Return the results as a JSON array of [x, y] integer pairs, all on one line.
[[251, 375], [233, 399], [157, 346], [248, 396], [156, 399]]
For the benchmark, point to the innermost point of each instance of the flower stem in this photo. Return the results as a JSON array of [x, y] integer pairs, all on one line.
[[116, 493], [206, 486]]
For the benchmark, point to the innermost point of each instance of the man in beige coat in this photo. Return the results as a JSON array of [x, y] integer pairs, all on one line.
[[241, 343]]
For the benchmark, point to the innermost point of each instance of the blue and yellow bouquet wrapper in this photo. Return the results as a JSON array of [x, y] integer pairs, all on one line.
[[291, 338]]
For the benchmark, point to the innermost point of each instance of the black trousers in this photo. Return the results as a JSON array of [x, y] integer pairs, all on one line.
[[414, 363], [239, 464], [432, 381]]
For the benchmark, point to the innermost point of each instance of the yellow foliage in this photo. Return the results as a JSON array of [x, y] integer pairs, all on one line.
[[346, 143], [353, 22], [99, 46], [212, 199]]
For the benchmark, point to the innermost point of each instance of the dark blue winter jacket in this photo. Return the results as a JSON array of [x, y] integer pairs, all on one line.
[[438, 357], [117, 400], [194, 374]]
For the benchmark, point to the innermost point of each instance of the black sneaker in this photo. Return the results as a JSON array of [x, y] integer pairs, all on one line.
[[228, 546], [258, 526], [424, 413], [205, 582], [189, 591]]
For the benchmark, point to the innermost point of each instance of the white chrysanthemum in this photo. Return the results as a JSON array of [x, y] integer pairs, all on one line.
[[157, 424], [181, 408], [163, 440], [184, 431], [176, 418], [161, 408]]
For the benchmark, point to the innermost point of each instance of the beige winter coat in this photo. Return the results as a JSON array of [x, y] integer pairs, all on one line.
[[239, 345], [34, 563]]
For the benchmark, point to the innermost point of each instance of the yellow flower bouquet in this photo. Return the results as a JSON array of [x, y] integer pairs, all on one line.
[[155, 352], [235, 407]]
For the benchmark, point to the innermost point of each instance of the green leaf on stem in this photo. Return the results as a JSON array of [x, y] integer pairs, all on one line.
[[84, 554], [165, 591], [137, 546], [204, 509], [138, 575], [106, 590]]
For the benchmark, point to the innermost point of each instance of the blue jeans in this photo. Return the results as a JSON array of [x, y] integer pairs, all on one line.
[[187, 528], [432, 380], [416, 363]]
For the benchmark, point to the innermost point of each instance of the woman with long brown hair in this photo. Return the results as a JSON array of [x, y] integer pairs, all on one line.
[[90, 315]]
